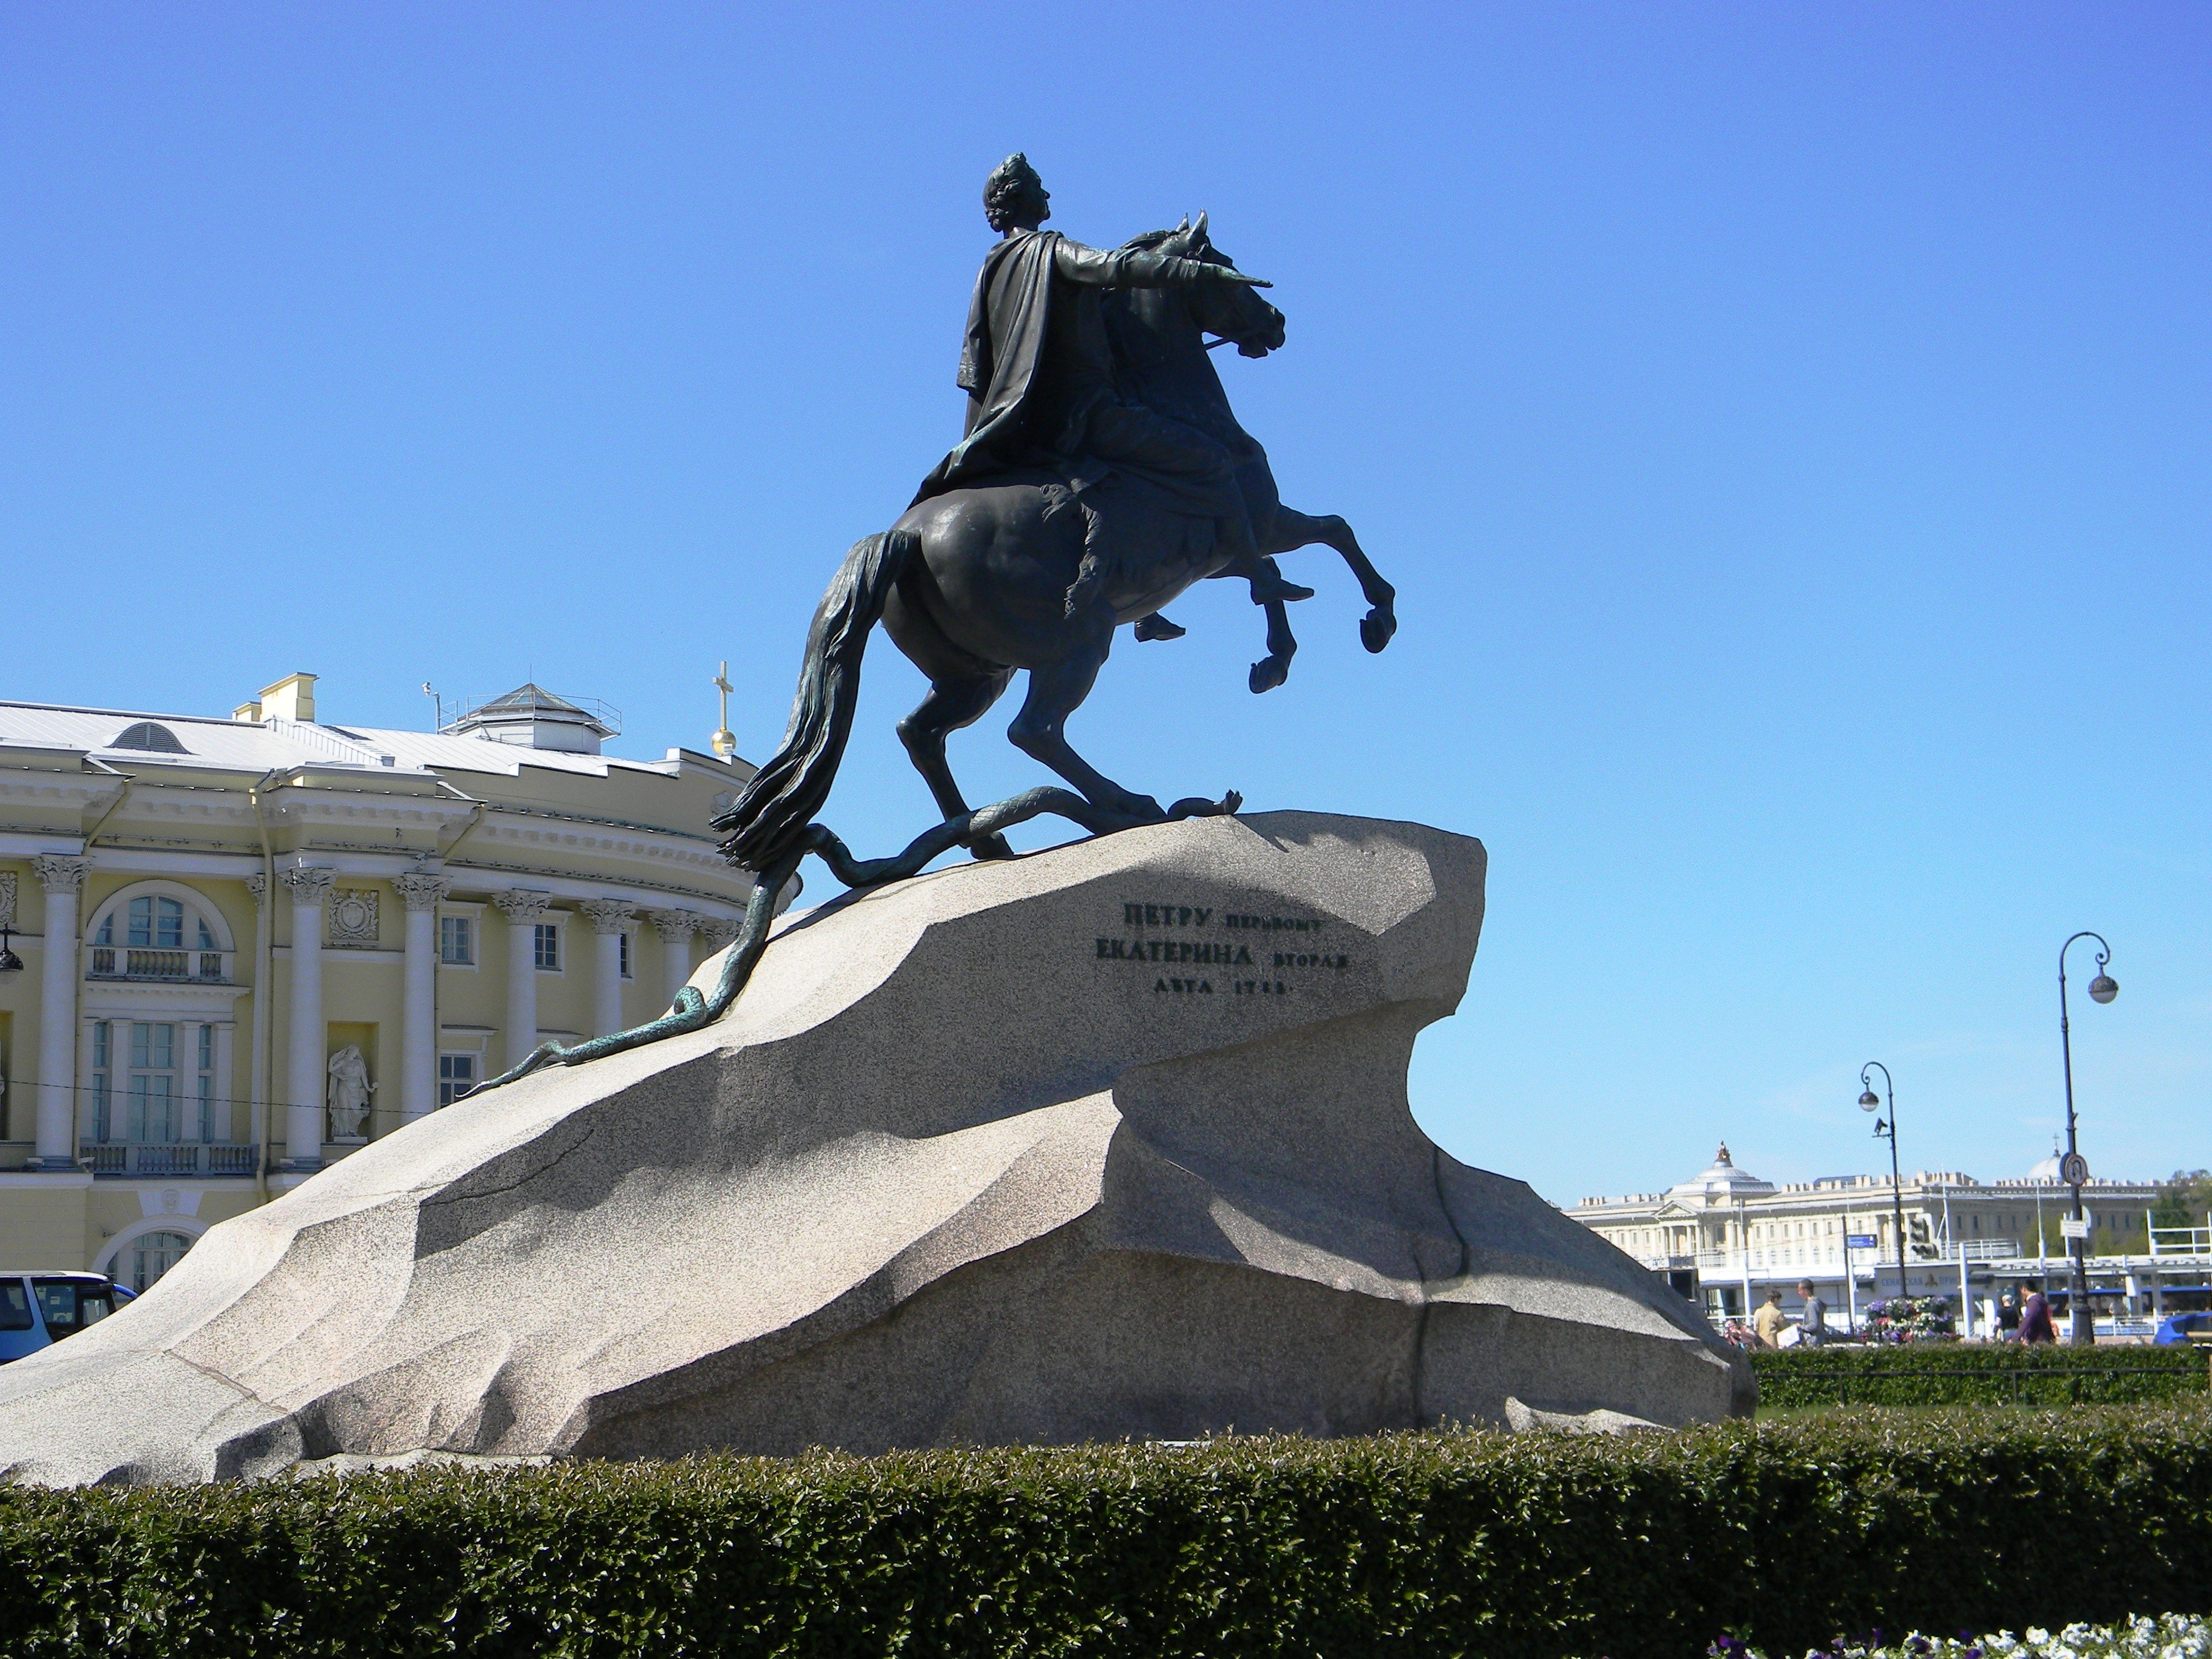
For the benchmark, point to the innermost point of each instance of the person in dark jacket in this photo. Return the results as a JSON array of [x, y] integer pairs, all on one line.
[[2009, 1317], [2035, 1324]]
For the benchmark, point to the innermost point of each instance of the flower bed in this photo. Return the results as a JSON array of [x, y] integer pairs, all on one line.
[[2176, 1635], [1911, 1319]]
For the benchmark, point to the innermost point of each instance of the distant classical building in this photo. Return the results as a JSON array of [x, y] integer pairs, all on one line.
[[245, 948], [1723, 1236]]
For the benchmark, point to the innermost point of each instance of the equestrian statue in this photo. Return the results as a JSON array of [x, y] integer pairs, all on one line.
[[1100, 475]]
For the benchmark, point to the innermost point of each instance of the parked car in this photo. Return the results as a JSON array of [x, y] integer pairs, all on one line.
[[2177, 1328], [38, 1309]]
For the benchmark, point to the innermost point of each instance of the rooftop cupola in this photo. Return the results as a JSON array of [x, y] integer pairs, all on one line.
[[1720, 1182], [532, 717]]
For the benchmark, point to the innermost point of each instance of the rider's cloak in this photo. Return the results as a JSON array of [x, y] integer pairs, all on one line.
[[1011, 307]]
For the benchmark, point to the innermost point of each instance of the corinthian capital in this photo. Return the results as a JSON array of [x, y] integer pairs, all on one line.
[[258, 885], [59, 873], [310, 884], [720, 930], [524, 904], [422, 892], [608, 915], [674, 925]]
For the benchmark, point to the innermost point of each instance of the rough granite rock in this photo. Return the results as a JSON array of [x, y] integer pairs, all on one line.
[[1110, 1140]]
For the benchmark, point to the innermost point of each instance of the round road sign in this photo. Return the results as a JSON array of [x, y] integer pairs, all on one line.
[[2074, 1169]]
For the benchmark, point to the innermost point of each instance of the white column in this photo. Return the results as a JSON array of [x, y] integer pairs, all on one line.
[[608, 917], [63, 879], [525, 910], [676, 928], [418, 1041], [265, 993], [306, 1064]]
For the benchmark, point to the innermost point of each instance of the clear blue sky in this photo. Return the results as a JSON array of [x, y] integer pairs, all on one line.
[[1788, 428]]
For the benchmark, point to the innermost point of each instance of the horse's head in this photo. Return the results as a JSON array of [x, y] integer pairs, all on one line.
[[1230, 309]]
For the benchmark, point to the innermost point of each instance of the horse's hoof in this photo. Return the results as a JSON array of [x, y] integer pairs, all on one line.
[[992, 846], [1269, 673], [1375, 628]]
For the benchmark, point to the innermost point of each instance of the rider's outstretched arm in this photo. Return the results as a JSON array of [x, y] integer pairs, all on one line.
[[1138, 268]]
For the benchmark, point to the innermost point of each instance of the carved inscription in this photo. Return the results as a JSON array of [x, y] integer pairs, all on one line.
[[1184, 937]]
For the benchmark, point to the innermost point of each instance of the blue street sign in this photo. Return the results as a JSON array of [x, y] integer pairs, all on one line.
[[1859, 1241]]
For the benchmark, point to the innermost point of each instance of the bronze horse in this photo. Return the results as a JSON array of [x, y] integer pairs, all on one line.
[[976, 583]]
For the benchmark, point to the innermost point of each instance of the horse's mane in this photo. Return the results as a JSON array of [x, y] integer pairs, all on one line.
[[1152, 240]]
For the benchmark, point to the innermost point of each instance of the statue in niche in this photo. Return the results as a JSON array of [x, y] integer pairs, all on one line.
[[349, 1091]]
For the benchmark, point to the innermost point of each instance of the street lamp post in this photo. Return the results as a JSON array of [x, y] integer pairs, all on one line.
[[1870, 1101], [2074, 1169]]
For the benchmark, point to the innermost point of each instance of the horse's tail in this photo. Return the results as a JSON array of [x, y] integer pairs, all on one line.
[[784, 795]]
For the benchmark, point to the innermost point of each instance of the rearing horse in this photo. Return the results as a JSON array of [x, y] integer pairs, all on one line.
[[1160, 361], [978, 582]]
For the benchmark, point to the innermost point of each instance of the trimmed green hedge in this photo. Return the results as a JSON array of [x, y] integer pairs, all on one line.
[[1998, 1374], [1427, 1544]]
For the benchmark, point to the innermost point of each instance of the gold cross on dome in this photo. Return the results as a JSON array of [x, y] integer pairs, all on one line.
[[725, 741]]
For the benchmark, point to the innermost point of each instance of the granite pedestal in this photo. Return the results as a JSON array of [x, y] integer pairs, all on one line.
[[1110, 1140]]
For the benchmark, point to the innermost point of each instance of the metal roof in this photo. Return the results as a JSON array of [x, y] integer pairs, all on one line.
[[280, 744]]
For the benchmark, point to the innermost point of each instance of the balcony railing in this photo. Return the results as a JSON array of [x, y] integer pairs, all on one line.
[[2181, 1240], [153, 963], [184, 1157]]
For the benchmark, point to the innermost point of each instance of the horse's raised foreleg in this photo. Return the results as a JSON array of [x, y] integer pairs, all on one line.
[[950, 705], [1291, 528], [1271, 669], [1057, 688]]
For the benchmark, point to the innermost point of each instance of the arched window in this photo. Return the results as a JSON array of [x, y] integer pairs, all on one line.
[[155, 740], [152, 921], [153, 1254], [160, 931]]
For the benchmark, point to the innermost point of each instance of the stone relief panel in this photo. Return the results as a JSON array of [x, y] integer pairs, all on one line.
[[350, 918]]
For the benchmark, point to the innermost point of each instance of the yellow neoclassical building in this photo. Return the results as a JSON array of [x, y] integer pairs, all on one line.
[[237, 950]]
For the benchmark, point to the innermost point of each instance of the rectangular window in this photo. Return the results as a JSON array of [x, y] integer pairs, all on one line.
[[457, 1075], [546, 946], [102, 1059], [624, 937], [158, 923], [204, 1086], [457, 941], [154, 1102]]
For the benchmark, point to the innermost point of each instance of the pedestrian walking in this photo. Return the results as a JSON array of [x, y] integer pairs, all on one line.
[[1768, 1323], [1812, 1324]]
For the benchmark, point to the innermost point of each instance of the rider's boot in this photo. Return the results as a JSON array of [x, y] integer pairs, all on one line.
[[1157, 627], [1269, 585]]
